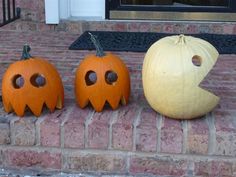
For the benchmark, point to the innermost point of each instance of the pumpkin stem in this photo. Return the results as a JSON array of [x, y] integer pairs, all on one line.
[[96, 43], [181, 39], [25, 54]]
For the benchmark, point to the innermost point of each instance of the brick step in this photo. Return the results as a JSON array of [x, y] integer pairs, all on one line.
[[75, 27], [132, 140]]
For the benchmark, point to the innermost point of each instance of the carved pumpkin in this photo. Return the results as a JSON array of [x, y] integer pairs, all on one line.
[[172, 70], [102, 78], [31, 83]]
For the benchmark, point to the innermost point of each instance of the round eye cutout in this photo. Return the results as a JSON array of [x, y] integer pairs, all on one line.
[[111, 77], [197, 60], [90, 78], [38, 80], [18, 81]]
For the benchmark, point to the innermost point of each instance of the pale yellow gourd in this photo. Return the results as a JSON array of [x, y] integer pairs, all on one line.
[[171, 78]]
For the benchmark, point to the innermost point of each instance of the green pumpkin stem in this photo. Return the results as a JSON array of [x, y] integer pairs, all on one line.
[[96, 43], [25, 54]]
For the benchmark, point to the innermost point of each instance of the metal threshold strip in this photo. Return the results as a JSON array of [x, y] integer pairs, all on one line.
[[185, 16]]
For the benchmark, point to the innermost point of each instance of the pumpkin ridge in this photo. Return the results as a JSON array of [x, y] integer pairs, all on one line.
[[36, 110], [8, 106], [113, 105], [59, 104], [123, 100], [97, 107], [83, 104], [19, 111]]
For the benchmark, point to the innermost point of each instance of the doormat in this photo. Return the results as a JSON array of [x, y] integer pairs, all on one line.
[[141, 41]]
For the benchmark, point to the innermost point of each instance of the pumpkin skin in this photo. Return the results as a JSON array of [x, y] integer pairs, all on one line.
[[101, 92], [171, 79], [34, 97]]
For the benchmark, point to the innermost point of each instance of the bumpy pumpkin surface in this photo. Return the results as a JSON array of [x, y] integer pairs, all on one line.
[[32, 83], [171, 77], [98, 89]]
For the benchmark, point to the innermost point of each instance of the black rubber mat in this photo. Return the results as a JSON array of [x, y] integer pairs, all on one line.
[[141, 41]]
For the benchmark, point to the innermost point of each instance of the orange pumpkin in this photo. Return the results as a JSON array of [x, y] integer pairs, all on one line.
[[31, 83], [102, 78]]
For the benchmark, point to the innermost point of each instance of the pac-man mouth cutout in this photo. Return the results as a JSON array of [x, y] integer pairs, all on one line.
[[173, 69]]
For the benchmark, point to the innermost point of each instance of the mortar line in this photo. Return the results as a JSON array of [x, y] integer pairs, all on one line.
[[117, 152], [128, 159], [37, 131], [88, 120], [62, 129], [111, 122], [159, 125], [12, 131], [135, 124], [212, 133], [185, 135]]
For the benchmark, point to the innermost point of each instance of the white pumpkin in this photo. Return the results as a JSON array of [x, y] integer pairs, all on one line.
[[171, 77]]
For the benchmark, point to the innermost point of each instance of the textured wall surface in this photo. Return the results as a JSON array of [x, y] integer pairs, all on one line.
[[133, 140]]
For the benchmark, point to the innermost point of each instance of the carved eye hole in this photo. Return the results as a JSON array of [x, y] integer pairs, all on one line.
[[111, 77], [197, 60], [90, 78], [18, 81], [38, 80]]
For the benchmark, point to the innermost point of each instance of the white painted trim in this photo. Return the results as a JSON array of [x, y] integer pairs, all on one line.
[[88, 8], [61, 9], [64, 9], [52, 11]]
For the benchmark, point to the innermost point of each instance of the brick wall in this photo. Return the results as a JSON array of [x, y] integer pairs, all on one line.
[[33, 19], [133, 140]]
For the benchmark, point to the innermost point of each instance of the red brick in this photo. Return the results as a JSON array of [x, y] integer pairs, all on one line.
[[29, 15], [119, 26], [122, 129], [50, 128], [108, 26], [158, 166], [225, 132], [191, 29], [24, 132], [139, 27], [94, 162], [213, 168], [204, 28], [179, 28], [96, 26], [33, 159], [4, 133], [157, 27], [26, 26], [145, 27], [74, 128], [146, 136], [198, 136], [217, 29], [228, 29], [98, 130], [74, 27], [45, 27], [171, 136], [2, 157], [168, 28]]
